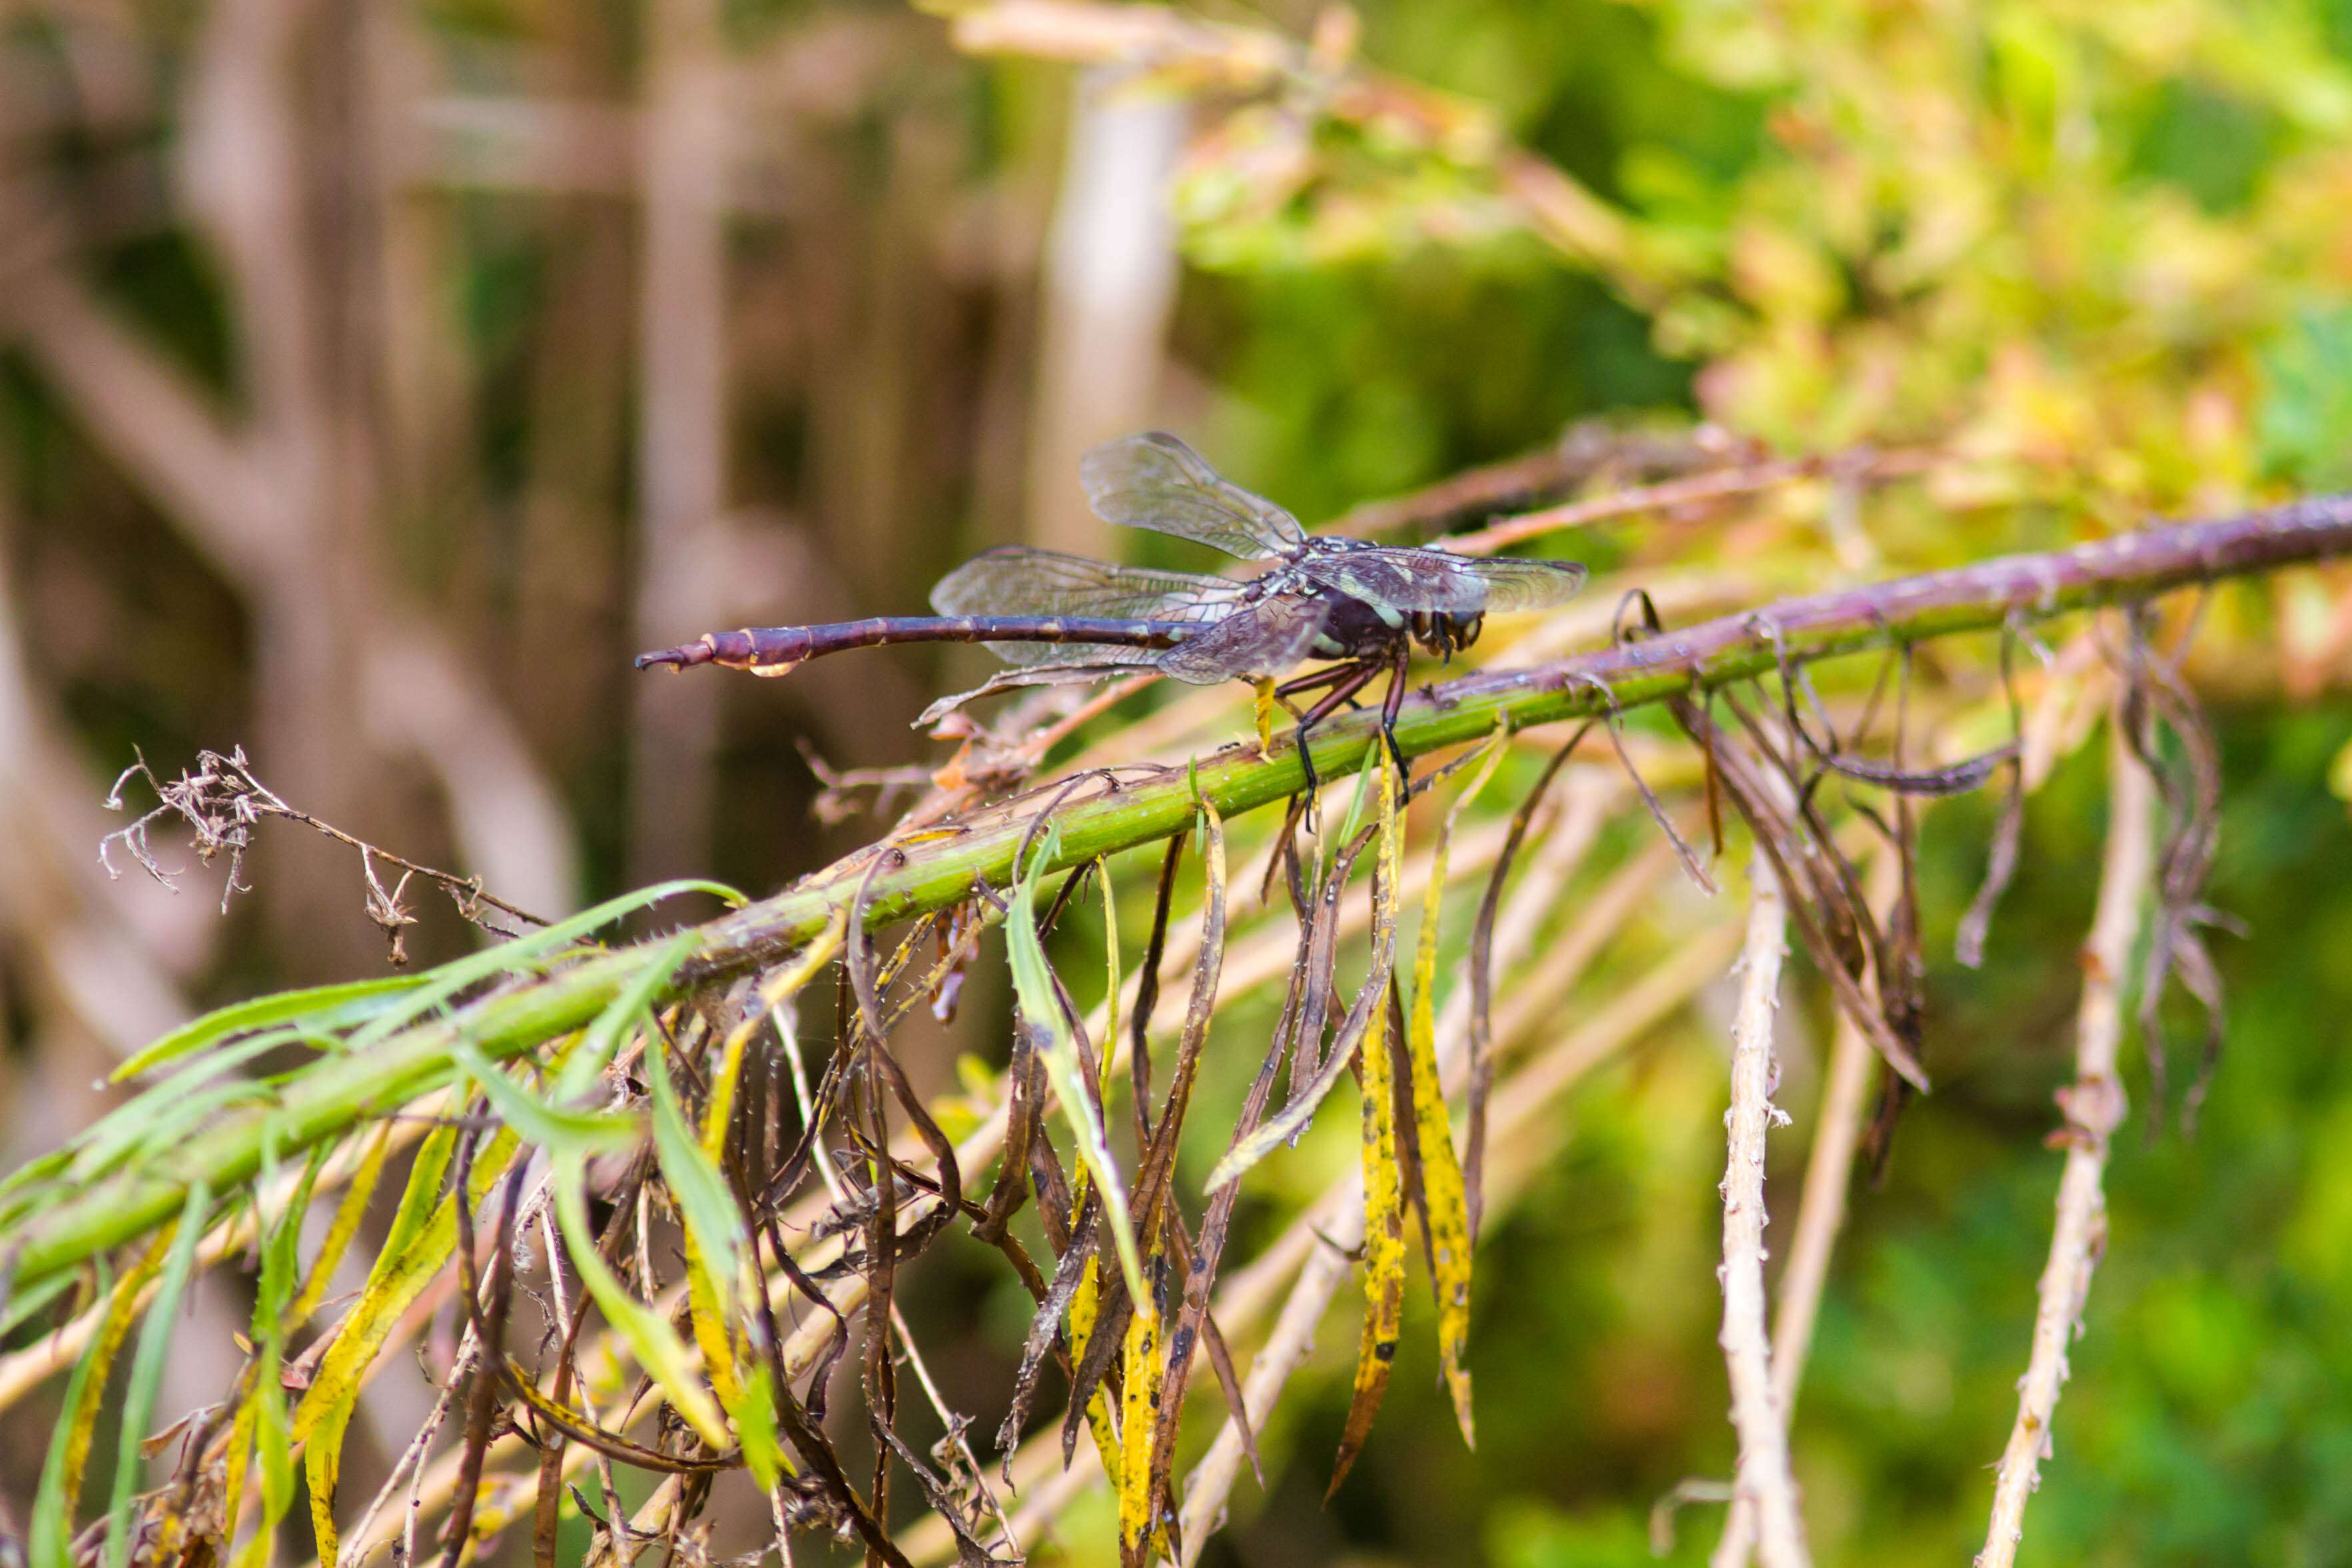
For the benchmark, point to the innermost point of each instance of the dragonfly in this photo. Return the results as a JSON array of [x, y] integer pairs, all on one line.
[[1054, 618]]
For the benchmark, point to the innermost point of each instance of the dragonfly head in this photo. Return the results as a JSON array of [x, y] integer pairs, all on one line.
[[1442, 633]]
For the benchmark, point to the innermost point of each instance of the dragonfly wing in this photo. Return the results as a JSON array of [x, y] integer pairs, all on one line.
[[1433, 581], [1513, 584], [1407, 580], [1153, 480], [1264, 638], [1014, 580]]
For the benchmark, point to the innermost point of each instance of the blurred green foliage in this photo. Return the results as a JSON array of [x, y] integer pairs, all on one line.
[[2107, 251], [2102, 251]]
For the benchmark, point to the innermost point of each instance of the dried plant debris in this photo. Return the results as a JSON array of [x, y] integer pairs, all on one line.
[[2156, 702], [666, 1232], [222, 802]]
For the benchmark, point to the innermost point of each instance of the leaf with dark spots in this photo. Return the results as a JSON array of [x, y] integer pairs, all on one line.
[[1098, 1357], [1384, 1244], [1046, 1328]]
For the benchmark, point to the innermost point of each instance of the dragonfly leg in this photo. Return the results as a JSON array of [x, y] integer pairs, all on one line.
[[1349, 680], [1394, 705]]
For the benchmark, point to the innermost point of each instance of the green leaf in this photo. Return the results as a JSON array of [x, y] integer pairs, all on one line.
[[51, 1533], [524, 953], [147, 1375], [552, 1127], [703, 1200], [322, 1007], [1033, 981], [605, 1035], [651, 1340], [424, 1238]]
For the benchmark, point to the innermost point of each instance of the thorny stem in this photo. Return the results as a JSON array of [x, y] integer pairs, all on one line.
[[1763, 1476], [976, 855], [2094, 1107], [1820, 1215], [1712, 654], [1829, 1171]]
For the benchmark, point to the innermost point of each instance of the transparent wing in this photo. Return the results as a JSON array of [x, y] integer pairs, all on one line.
[[1014, 580], [1153, 480], [1515, 584], [1405, 580], [1264, 638], [1432, 580]]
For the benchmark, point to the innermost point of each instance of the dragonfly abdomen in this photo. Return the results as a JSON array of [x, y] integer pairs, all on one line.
[[774, 650]]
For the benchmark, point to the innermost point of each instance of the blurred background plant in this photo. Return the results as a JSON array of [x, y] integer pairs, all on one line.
[[375, 379]]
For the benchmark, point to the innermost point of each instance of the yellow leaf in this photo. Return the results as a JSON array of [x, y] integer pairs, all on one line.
[[400, 1276], [1383, 1189], [1138, 1419]]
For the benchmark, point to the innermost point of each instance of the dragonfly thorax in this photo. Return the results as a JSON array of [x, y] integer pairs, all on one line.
[[1354, 628]]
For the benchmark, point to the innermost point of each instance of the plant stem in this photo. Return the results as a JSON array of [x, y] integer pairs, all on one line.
[[1711, 654], [958, 861]]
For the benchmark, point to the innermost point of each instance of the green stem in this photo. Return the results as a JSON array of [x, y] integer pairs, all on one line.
[[326, 1100]]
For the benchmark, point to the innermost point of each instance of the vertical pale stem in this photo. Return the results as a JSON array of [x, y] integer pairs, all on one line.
[[1109, 285], [1293, 1337], [1820, 1215], [2094, 1107], [1763, 1479], [682, 428]]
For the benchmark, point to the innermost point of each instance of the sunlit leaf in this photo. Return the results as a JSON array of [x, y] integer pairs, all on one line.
[[1383, 1202], [50, 1537], [1033, 981], [423, 1239]]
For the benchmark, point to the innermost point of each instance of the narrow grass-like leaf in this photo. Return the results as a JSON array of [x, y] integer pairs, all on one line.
[[651, 1340], [552, 1127], [259, 1432], [1111, 976], [1354, 1030], [1142, 1371], [321, 1009], [703, 1200], [525, 952], [50, 1543], [24, 1304], [424, 1238], [1383, 1246], [1033, 981], [1444, 1198], [1085, 1312], [604, 1036], [155, 1118], [147, 1373], [716, 1244], [340, 1231]]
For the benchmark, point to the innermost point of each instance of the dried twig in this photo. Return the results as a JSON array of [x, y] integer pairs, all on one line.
[[1763, 1474], [2094, 1107], [222, 801]]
